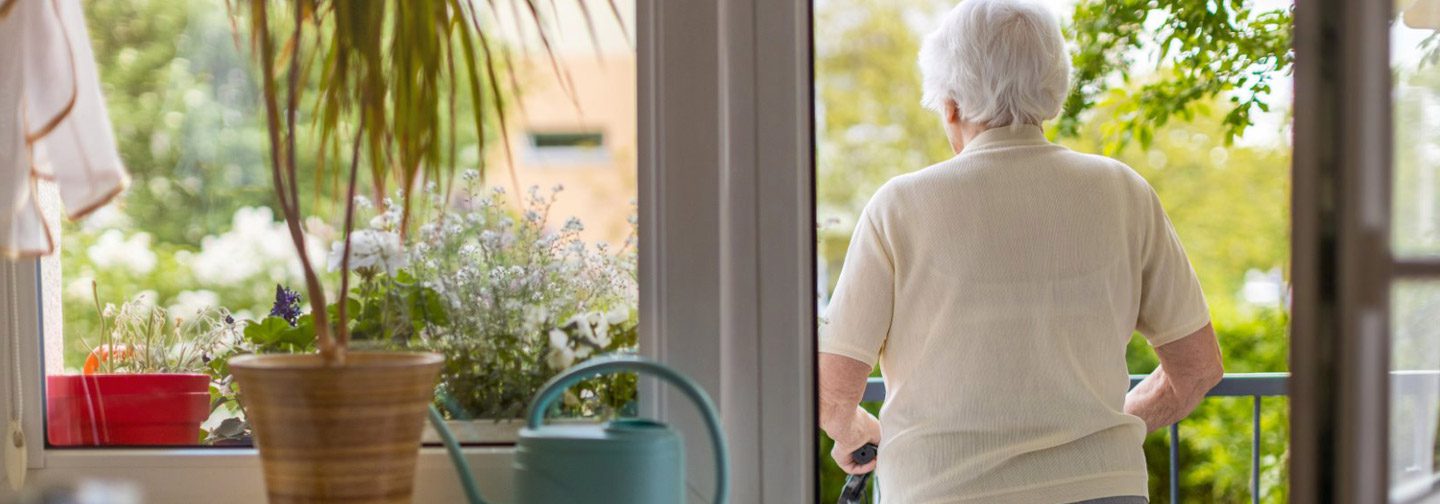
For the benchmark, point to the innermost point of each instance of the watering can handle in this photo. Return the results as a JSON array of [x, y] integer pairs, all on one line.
[[619, 363]]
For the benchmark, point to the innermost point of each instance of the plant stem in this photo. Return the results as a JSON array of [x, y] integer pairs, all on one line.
[[342, 326], [285, 165]]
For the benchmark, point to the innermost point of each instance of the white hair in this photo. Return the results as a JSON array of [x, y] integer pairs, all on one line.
[[1003, 62]]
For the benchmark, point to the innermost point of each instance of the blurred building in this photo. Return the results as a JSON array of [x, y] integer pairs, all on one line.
[[578, 128]]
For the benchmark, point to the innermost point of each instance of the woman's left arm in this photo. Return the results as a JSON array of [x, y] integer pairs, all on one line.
[[842, 384]]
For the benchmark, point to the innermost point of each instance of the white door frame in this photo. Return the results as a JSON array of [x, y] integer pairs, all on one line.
[[727, 236]]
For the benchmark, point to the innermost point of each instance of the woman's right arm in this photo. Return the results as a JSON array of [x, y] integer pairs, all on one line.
[[1189, 368], [842, 383]]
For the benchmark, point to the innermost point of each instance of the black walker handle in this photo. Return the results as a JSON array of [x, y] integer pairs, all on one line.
[[855, 484]]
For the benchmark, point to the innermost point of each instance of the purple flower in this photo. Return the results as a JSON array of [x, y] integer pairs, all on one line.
[[287, 304]]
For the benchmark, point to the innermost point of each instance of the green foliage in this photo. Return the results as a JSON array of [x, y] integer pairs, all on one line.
[[173, 81], [394, 309], [274, 334], [1229, 204], [1202, 49], [868, 90]]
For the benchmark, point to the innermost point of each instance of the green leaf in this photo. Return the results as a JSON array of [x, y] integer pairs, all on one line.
[[266, 332]]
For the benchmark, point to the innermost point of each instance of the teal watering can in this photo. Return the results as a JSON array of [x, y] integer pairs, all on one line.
[[629, 461]]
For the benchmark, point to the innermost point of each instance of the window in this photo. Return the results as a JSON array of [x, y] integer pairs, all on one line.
[[550, 149], [1415, 236], [192, 264], [693, 297]]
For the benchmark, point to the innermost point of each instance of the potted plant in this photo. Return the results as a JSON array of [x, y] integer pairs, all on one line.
[[144, 383], [522, 301], [382, 79]]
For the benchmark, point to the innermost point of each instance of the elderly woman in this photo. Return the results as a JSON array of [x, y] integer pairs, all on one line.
[[998, 289]]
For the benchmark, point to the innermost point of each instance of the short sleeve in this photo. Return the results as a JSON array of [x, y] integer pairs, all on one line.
[[860, 312], [1172, 305]]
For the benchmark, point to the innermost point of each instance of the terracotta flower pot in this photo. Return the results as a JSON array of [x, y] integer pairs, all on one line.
[[126, 409], [346, 433]]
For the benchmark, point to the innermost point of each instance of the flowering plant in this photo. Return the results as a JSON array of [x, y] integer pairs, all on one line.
[[140, 337], [524, 302]]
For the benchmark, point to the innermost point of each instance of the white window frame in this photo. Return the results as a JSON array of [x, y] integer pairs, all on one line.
[[727, 270]]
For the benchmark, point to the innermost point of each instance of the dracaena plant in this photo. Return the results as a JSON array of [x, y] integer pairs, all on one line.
[[379, 81]]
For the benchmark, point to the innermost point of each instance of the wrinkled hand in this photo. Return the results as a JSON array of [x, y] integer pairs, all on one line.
[[864, 428]]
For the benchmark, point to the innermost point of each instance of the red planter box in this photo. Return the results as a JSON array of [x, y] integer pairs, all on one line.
[[126, 410]]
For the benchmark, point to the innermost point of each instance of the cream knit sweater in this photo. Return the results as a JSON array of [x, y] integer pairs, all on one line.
[[998, 290]]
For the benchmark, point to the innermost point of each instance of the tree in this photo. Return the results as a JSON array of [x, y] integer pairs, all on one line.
[[871, 126], [1202, 49]]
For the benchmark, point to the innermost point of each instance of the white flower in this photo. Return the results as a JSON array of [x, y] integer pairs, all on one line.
[[79, 289], [583, 328], [106, 217], [144, 300], [560, 356], [602, 334], [594, 335], [535, 315], [489, 238], [618, 315], [558, 339], [188, 303], [114, 250], [573, 225], [370, 249], [382, 221], [255, 246]]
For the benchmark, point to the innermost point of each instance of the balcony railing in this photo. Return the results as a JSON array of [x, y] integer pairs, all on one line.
[[1253, 385]]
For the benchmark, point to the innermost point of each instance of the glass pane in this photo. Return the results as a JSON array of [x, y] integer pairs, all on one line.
[[513, 273], [1415, 306], [1415, 387], [1415, 57]]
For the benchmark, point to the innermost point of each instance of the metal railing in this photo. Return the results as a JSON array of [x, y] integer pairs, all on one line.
[[1253, 385]]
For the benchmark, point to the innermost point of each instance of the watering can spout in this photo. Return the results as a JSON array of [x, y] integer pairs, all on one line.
[[633, 461]]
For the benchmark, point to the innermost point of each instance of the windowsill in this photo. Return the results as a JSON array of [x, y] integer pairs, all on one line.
[[159, 458]]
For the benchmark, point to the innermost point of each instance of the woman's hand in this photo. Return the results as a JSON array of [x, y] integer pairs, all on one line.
[[863, 428], [1189, 367]]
